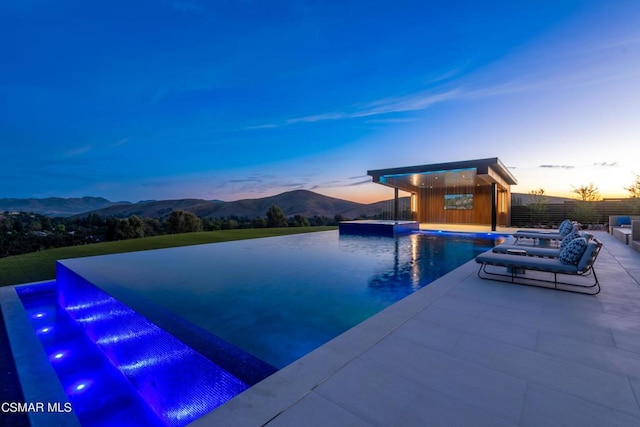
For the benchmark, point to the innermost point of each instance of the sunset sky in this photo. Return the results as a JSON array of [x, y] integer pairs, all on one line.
[[154, 99]]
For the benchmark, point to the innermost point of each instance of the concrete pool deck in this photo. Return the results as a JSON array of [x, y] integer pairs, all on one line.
[[470, 352]]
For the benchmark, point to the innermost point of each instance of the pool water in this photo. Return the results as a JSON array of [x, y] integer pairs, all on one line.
[[98, 394], [279, 298], [116, 367], [182, 330]]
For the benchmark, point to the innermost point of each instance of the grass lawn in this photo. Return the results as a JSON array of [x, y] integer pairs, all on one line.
[[37, 266]]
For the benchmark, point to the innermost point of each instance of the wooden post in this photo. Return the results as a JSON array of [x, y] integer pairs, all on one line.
[[494, 207], [396, 208]]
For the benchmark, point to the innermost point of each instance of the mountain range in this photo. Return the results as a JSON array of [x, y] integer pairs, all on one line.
[[57, 206], [297, 202]]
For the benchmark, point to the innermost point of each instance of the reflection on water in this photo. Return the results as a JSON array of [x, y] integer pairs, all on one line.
[[420, 258]]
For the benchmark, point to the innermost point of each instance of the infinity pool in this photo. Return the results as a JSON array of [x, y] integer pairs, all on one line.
[[254, 306], [279, 298]]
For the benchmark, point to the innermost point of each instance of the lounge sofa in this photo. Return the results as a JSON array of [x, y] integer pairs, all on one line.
[[577, 261], [545, 238], [620, 227]]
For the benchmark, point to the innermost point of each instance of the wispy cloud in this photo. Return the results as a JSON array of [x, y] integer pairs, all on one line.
[[78, 151], [391, 121], [447, 75], [557, 166], [606, 164], [401, 104], [414, 102], [348, 182], [270, 126]]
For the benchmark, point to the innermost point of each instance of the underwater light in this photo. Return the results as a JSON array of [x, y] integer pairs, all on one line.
[[45, 330], [58, 356], [80, 386], [39, 315]]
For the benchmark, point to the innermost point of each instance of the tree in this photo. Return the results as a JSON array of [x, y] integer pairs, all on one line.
[[46, 223], [275, 217], [183, 222], [259, 222], [634, 192], [152, 227], [136, 227], [298, 221], [585, 212], [229, 224], [537, 205], [587, 193], [112, 228], [634, 189]]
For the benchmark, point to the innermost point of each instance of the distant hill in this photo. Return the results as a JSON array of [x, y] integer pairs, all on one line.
[[298, 202], [56, 206]]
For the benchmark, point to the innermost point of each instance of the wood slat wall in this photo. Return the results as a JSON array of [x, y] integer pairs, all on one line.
[[586, 212], [431, 207]]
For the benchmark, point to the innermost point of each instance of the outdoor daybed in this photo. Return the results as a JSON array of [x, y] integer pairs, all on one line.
[[545, 238], [576, 259], [564, 227], [540, 251]]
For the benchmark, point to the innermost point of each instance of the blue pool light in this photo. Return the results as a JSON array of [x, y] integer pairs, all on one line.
[[98, 393], [80, 386], [58, 356], [177, 383]]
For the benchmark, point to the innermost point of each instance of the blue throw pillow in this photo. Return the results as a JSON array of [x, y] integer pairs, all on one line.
[[572, 253], [624, 220], [569, 237], [565, 227]]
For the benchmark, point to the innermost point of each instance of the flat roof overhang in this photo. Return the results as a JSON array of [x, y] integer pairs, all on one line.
[[438, 175]]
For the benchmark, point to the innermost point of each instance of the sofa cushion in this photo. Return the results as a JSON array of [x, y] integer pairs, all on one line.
[[586, 256], [572, 253], [574, 234], [624, 220], [565, 227]]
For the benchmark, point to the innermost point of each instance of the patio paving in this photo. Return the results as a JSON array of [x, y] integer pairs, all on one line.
[[470, 352]]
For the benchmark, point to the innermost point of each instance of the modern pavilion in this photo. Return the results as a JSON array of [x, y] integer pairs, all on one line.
[[476, 192]]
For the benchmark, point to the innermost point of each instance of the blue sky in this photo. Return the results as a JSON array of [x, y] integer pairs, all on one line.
[[135, 100]]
